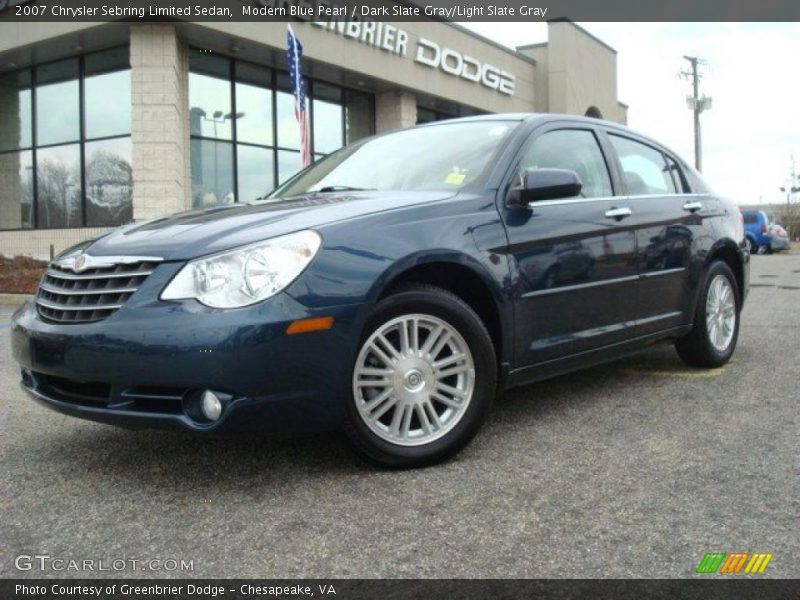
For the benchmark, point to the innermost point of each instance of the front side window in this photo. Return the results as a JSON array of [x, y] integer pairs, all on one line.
[[439, 157], [644, 168], [575, 150]]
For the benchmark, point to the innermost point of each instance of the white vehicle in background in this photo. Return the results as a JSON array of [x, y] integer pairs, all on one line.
[[778, 238]]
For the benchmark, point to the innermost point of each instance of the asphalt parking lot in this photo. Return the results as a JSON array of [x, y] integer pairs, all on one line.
[[634, 469]]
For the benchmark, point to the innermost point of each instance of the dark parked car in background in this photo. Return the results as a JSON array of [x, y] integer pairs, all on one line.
[[394, 287]]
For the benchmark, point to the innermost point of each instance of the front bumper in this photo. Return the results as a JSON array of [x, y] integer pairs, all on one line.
[[142, 366]]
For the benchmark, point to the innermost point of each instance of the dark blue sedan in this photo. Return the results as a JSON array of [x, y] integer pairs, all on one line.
[[394, 287]]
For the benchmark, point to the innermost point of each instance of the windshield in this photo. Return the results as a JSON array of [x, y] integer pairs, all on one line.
[[447, 156]]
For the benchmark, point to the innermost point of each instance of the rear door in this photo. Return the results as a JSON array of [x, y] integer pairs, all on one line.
[[669, 222], [574, 263]]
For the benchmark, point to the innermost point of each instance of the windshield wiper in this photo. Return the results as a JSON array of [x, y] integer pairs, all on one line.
[[342, 188]]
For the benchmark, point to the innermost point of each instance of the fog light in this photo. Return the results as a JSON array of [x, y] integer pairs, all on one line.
[[210, 405]]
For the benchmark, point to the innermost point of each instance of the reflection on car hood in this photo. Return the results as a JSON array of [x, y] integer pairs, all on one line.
[[200, 232]]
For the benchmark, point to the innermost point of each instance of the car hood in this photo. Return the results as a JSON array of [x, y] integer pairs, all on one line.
[[200, 232]]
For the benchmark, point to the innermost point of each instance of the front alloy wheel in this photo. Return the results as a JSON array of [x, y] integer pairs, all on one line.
[[423, 379], [413, 380]]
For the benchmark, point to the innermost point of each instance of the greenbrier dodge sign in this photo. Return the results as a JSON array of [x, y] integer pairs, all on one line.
[[389, 38]]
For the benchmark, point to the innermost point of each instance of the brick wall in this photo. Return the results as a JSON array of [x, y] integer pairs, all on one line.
[[36, 242], [159, 121], [395, 110], [10, 184]]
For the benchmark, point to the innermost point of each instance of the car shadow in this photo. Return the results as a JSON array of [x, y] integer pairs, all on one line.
[[254, 461]]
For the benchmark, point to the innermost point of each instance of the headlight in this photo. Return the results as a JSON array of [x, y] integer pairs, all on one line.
[[245, 275]]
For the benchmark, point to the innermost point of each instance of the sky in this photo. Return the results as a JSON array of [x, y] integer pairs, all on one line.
[[752, 74]]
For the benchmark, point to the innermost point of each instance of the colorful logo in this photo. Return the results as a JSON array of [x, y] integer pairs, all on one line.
[[734, 562]]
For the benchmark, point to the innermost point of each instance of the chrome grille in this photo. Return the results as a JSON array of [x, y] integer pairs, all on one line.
[[90, 295]]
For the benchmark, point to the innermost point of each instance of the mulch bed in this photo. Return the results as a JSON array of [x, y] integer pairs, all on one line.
[[20, 274]]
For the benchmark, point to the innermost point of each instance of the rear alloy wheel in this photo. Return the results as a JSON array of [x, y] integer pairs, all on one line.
[[423, 379], [752, 246], [716, 328]]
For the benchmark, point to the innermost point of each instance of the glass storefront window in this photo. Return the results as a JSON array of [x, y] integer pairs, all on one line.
[[58, 184], [16, 193], [328, 127], [107, 94], [289, 163], [108, 104], [212, 173], [254, 105], [57, 103], [328, 118], [262, 126], [101, 194], [210, 107], [109, 182], [15, 110], [288, 131], [255, 170]]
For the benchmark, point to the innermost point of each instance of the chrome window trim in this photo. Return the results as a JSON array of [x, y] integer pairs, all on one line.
[[608, 199], [650, 274]]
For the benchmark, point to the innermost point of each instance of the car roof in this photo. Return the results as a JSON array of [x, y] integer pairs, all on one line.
[[542, 118], [531, 117]]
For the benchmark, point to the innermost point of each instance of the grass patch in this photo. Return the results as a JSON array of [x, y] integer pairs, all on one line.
[[20, 274]]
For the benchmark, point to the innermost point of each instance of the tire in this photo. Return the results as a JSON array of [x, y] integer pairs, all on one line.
[[752, 246], [702, 347], [398, 436]]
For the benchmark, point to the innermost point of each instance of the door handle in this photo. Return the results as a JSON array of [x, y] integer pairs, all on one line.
[[618, 213], [693, 206]]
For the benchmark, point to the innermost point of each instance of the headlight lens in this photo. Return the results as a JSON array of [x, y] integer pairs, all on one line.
[[246, 275]]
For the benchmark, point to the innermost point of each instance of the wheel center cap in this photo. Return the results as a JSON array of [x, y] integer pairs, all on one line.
[[414, 380]]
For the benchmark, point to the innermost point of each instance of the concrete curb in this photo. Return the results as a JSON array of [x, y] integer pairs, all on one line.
[[7, 299]]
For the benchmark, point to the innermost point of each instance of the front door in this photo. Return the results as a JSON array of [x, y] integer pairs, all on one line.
[[574, 259]]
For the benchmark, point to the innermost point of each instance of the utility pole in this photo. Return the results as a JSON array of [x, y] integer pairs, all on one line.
[[698, 105], [792, 187]]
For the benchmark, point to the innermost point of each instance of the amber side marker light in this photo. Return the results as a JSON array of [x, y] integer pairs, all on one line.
[[308, 325]]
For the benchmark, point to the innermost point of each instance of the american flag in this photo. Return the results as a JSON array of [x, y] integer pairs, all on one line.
[[294, 54]]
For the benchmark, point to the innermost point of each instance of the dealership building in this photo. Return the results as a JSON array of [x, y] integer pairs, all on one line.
[[104, 123]]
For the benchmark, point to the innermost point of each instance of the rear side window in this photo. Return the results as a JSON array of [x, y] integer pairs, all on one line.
[[644, 169], [677, 175], [573, 149]]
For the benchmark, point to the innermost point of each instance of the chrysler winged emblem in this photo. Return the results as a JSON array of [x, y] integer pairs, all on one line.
[[79, 264]]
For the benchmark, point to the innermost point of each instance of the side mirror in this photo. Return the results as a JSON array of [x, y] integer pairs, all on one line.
[[544, 184]]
